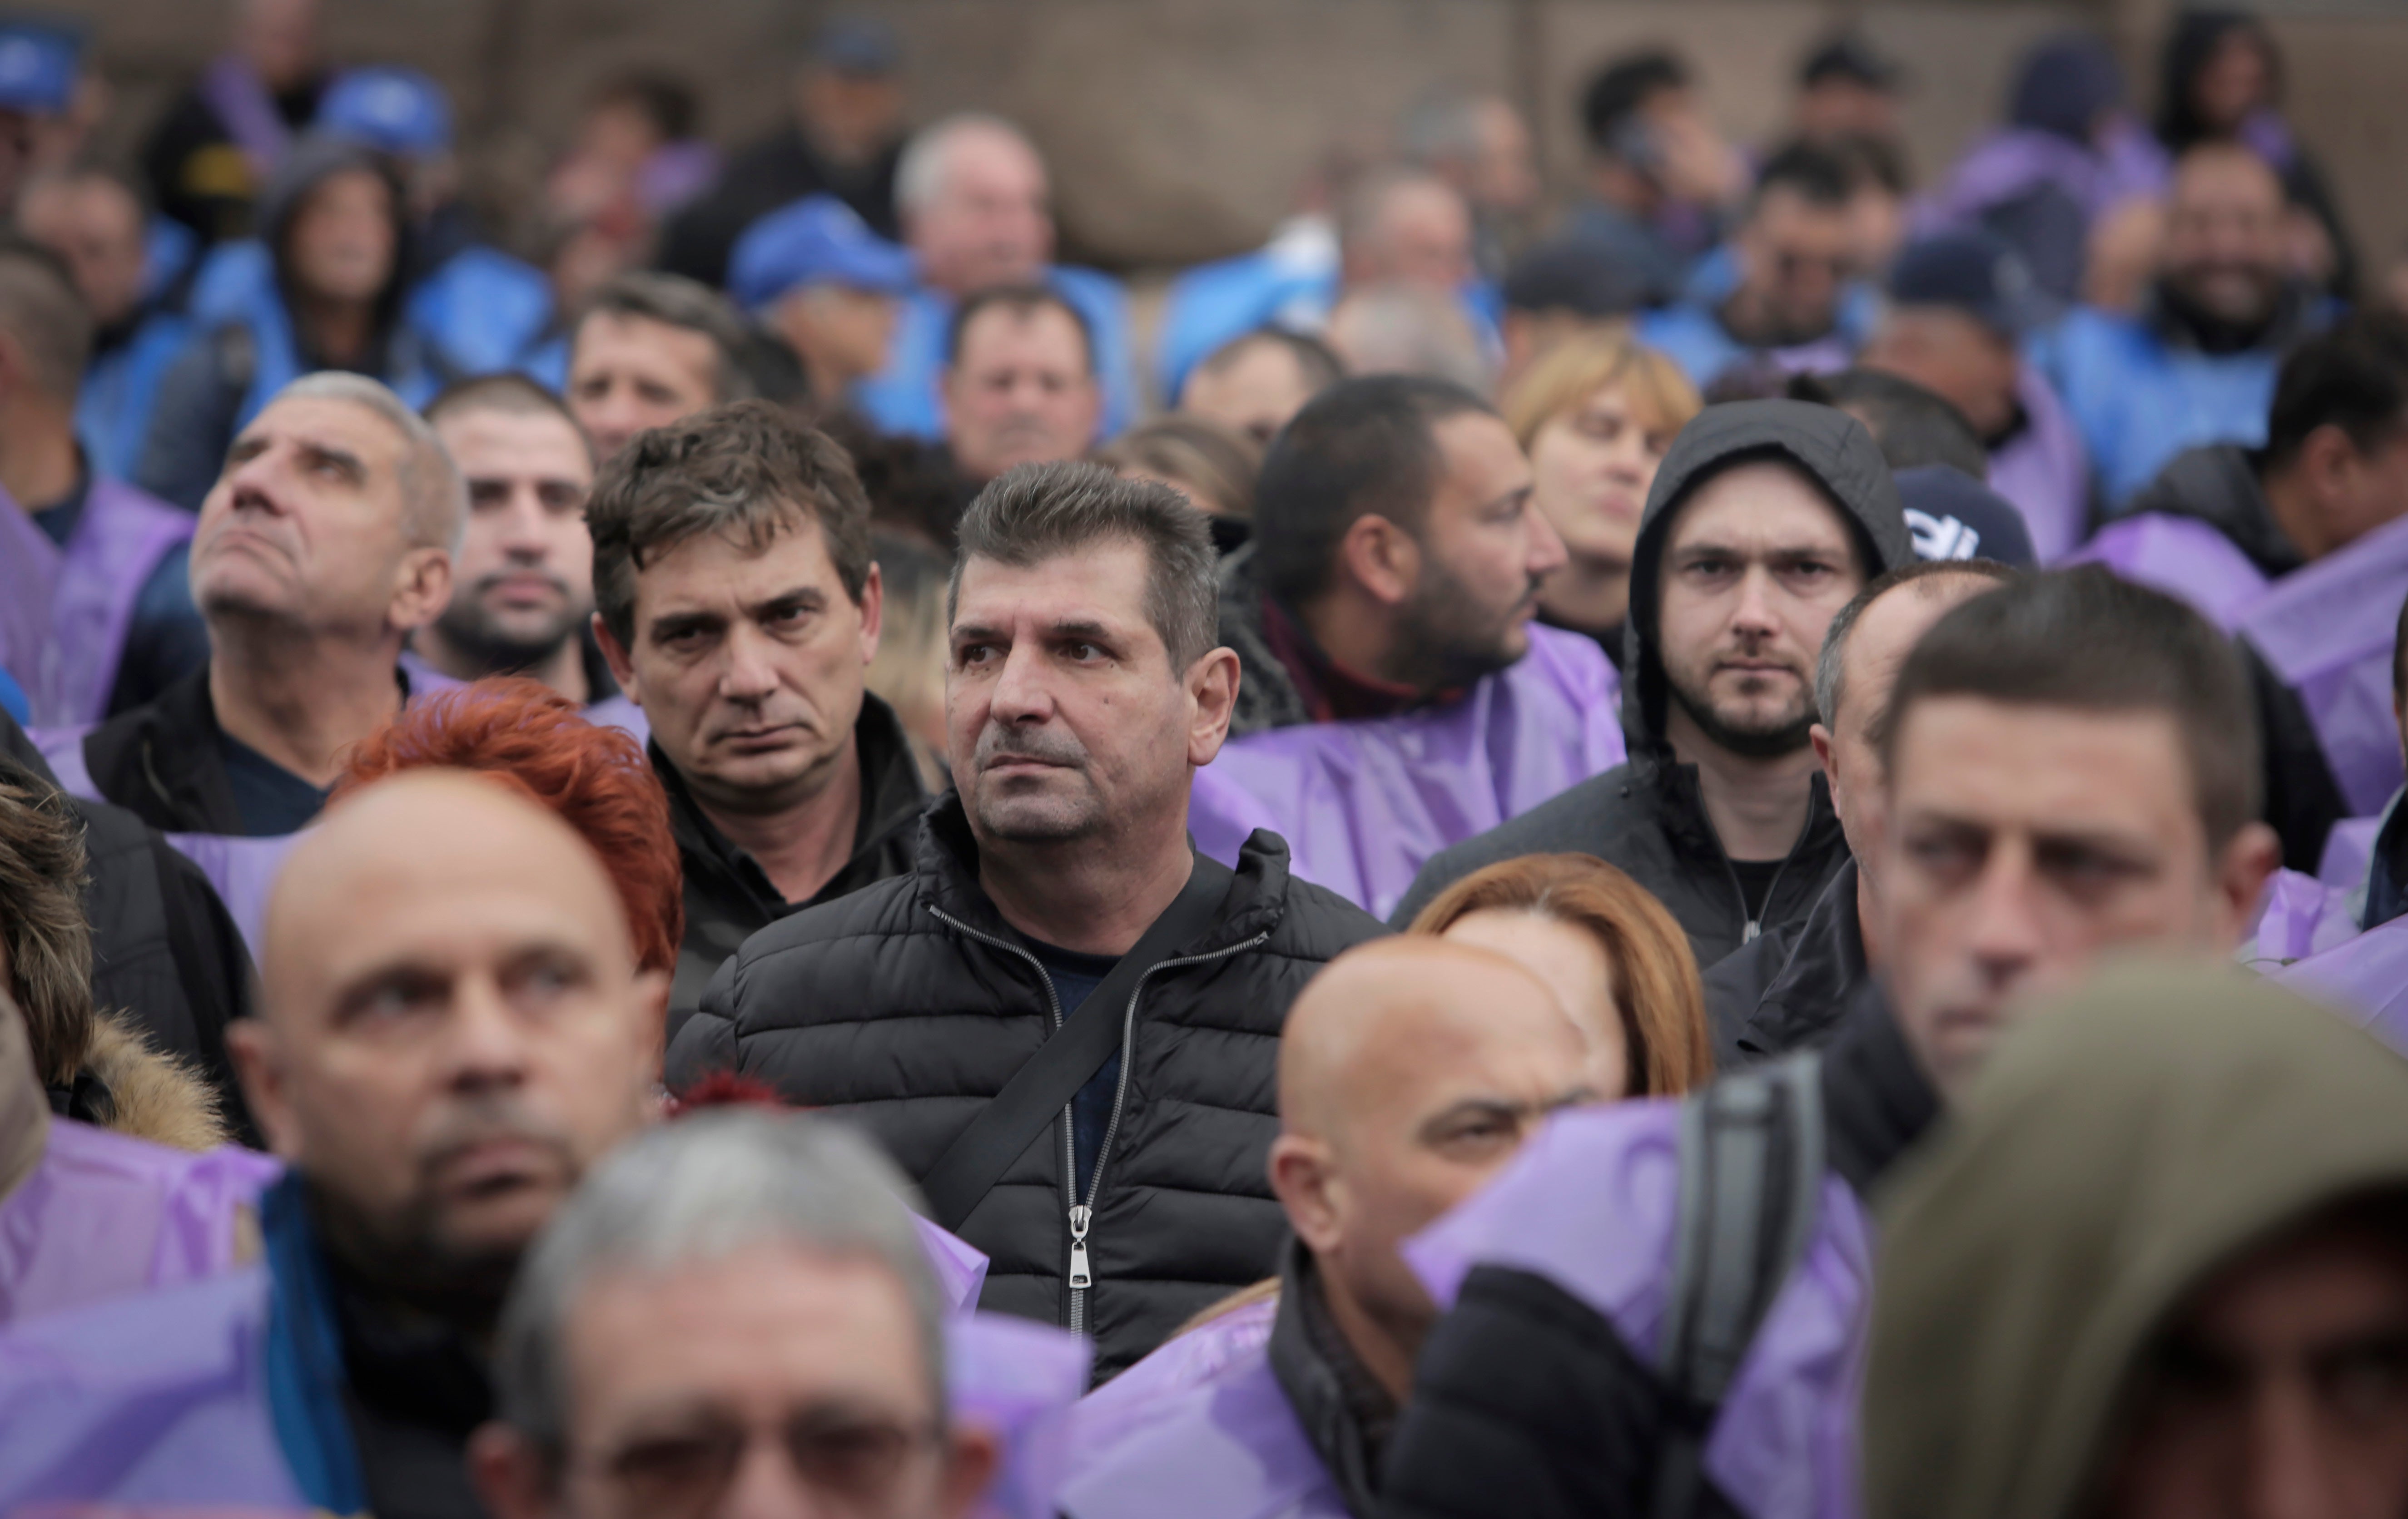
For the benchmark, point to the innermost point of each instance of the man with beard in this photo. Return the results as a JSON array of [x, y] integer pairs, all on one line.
[[738, 607], [525, 569], [1765, 518], [1063, 1023], [1396, 558], [2198, 364]]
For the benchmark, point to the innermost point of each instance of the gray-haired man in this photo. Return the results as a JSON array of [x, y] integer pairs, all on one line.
[[740, 1280], [326, 541], [1062, 1023]]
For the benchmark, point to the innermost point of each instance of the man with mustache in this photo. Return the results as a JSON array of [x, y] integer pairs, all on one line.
[[1064, 1022], [739, 608], [524, 570], [1765, 518], [1019, 381], [325, 543]]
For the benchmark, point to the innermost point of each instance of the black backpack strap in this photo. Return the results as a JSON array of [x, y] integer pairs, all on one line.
[[1751, 1158], [1044, 1085]]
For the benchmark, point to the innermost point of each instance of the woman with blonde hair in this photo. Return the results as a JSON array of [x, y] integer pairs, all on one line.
[[1595, 413], [1613, 955]]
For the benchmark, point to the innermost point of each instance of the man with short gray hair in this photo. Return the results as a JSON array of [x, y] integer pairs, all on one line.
[[806, 1315], [327, 540], [1063, 1023]]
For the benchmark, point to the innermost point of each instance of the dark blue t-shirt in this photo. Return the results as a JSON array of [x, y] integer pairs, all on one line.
[[269, 798], [1075, 976]]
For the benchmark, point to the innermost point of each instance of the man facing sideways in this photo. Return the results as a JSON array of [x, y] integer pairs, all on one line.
[[738, 607], [649, 350], [1410, 1071], [1395, 560], [2159, 1267], [1785, 989], [1019, 382], [2066, 771], [452, 1029], [523, 591], [326, 542], [1060, 976], [1765, 518], [736, 1280]]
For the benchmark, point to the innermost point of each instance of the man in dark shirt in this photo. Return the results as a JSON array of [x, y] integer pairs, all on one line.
[[327, 540], [217, 143], [738, 607], [845, 140]]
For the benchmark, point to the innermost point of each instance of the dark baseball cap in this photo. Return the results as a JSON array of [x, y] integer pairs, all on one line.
[[1951, 515], [1569, 275], [859, 45], [1973, 272]]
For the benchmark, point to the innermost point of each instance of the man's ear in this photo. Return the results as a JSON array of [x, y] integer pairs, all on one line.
[[970, 1465], [1306, 1184], [1212, 681], [1820, 736], [2242, 873], [510, 1475], [422, 588], [1382, 558], [614, 654], [652, 1020], [259, 1064], [873, 612]]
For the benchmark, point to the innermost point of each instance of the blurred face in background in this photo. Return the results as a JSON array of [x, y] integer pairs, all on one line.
[[1021, 390], [1592, 464], [95, 225], [2226, 247], [627, 373], [344, 236], [1254, 387], [1797, 253], [990, 219], [1952, 354], [525, 574]]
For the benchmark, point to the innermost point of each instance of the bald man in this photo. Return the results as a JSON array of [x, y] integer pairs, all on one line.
[[452, 1029], [1411, 1069]]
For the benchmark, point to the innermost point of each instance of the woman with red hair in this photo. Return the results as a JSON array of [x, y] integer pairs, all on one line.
[[528, 737]]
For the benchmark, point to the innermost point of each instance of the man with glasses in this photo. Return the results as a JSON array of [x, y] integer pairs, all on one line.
[[733, 1315]]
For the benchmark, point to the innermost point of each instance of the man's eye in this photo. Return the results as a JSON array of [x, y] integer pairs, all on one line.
[[1085, 653]]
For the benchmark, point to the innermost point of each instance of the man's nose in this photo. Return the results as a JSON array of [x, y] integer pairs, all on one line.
[[1754, 613], [749, 672], [2288, 1476], [2007, 942], [488, 1041], [1021, 694], [523, 524], [1547, 552]]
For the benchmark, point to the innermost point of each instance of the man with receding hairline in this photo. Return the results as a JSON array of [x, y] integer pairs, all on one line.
[[326, 541], [1410, 1070], [453, 1027]]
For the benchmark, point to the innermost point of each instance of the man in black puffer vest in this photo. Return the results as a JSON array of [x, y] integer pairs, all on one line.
[[1113, 1171]]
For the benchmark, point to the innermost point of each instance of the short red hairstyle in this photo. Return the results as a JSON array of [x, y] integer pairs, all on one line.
[[531, 738]]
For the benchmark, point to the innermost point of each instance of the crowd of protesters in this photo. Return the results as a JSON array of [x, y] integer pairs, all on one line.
[[1739, 851]]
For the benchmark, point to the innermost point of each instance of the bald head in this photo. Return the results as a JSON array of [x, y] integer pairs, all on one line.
[[453, 1028]]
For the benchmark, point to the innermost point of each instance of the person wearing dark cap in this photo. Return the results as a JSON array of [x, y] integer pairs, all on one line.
[[39, 64], [1961, 304], [1954, 516], [1848, 89], [2069, 154], [1555, 291], [1763, 518], [816, 276], [844, 139], [1659, 178]]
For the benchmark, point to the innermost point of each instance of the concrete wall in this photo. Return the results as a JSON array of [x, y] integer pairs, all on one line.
[[1178, 128]]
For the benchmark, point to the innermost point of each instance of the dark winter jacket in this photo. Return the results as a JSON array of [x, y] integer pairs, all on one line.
[[728, 897], [1648, 816], [906, 1005], [1267, 696], [1787, 988], [2218, 485], [1528, 1401], [775, 171]]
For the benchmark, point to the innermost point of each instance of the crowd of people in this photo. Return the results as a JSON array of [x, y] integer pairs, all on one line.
[[746, 852]]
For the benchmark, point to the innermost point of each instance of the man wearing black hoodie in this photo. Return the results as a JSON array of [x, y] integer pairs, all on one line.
[[1766, 517]]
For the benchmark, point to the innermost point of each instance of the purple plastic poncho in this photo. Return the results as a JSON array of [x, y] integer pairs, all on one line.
[[2328, 631], [1362, 804], [2349, 850], [2301, 917], [2044, 470], [2367, 978], [1019, 1379], [1590, 1204], [2180, 556], [92, 585], [104, 1215], [1141, 1397]]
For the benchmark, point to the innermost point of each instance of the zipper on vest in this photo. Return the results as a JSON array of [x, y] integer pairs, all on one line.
[[1080, 1279]]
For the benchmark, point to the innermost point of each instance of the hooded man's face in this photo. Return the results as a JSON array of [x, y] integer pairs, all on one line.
[[1756, 564]]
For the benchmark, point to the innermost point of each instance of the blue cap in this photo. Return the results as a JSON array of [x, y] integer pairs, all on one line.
[[1975, 273], [817, 241], [39, 64], [1951, 515], [393, 110]]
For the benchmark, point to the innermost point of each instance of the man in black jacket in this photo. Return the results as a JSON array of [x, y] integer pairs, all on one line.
[[1785, 989], [1083, 689], [738, 607], [326, 541], [2067, 772], [1765, 518]]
